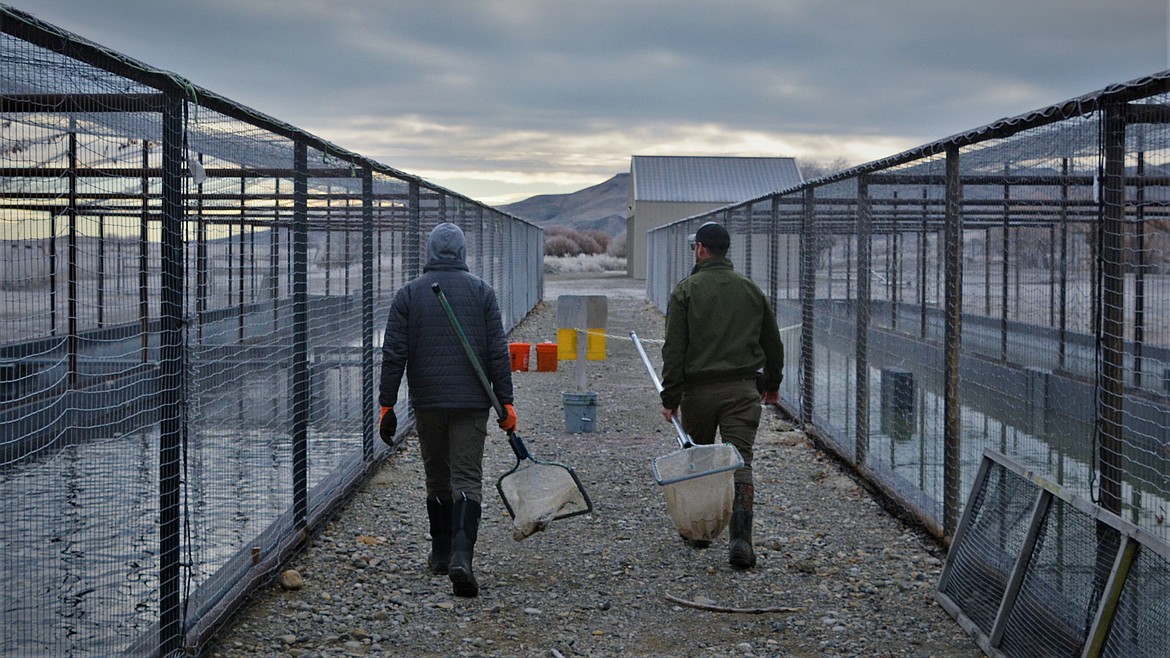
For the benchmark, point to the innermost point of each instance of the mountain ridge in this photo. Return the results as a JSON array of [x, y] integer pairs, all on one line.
[[600, 207]]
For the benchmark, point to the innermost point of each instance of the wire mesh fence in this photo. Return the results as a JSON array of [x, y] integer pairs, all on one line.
[[191, 294], [1006, 288]]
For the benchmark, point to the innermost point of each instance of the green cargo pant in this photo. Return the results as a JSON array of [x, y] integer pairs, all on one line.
[[732, 408], [451, 442]]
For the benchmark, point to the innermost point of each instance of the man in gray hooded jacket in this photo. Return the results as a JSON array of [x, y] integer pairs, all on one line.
[[450, 406]]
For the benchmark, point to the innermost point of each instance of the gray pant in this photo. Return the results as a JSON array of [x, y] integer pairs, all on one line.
[[451, 442], [732, 408]]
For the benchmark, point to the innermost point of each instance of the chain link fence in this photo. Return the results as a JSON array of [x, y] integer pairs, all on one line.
[[1006, 288], [192, 296]]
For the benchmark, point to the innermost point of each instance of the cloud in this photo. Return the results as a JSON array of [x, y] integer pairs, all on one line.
[[545, 95], [518, 159]]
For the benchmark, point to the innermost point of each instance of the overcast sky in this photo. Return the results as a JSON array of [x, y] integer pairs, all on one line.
[[504, 99]]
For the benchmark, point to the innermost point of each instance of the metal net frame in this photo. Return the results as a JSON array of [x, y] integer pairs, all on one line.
[[191, 295]]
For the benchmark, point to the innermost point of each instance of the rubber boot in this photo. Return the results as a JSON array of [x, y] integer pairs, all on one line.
[[439, 513], [465, 530], [742, 555]]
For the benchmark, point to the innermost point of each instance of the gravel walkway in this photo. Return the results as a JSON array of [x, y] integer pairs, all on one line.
[[836, 576]]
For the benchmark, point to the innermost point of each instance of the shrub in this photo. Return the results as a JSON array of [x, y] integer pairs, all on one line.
[[617, 246], [587, 244], [560, 245], [583, 263], [564, 241], [602, 239]]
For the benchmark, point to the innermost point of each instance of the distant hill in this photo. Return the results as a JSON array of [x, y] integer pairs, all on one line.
[[598, 208]]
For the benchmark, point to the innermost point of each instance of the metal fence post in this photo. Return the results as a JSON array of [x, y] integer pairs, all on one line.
[[922, 239], [1139, 283], [774, 252], [808, 293], [143, 257], [52, 246], [864, 244], [369, 399], [1005, 264], [894, 240], [1112, 312], [171, 404], [412, 241], [1062, 354], [300, 335], [71, 265], [952, 341], [747, 247], [200, 265], [483, 238]]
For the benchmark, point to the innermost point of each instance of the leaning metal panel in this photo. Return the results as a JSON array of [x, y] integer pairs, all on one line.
[[1068, 578], [1062, 584], [1141, 622], [980, 565]]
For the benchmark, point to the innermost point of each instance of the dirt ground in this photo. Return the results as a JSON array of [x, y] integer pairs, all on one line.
[[836, 576]]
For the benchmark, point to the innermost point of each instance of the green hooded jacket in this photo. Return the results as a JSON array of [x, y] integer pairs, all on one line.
[[719, 328]]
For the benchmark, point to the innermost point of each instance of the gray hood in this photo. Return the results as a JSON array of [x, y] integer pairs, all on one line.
[[446, 248]]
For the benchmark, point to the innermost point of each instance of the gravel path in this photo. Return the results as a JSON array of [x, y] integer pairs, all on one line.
[[836, 576]]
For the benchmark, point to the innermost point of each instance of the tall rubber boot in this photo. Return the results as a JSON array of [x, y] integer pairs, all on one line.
[[465, 530], [742, 555], [439, 513]]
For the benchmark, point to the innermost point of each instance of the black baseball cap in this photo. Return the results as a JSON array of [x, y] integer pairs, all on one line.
[[712, 236]]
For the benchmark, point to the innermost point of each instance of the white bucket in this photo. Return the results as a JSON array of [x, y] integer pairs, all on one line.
[[699, 486], [580, 412]]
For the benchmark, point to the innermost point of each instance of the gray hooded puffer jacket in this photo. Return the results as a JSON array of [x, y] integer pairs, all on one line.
[[420, 341]]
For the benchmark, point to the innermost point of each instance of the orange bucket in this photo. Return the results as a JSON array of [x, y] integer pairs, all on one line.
[[519, 353], [546, 357]]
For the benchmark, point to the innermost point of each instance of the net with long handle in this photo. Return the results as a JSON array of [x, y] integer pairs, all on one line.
[[534, 492], [698, 481]]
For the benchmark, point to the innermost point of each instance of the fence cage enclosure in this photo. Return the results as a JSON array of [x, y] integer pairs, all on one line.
[[1006, 289], [193, 293]]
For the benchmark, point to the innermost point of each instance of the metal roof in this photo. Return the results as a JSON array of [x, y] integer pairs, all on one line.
[[703, 179]]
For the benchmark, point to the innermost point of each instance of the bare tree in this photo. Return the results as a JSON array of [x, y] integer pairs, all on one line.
[[810, 169]]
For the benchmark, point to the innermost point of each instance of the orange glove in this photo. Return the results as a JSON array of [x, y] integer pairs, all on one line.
[[387, 425], [508, 422]]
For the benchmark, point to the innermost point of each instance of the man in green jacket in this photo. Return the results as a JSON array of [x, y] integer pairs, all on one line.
[[720, 333]]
